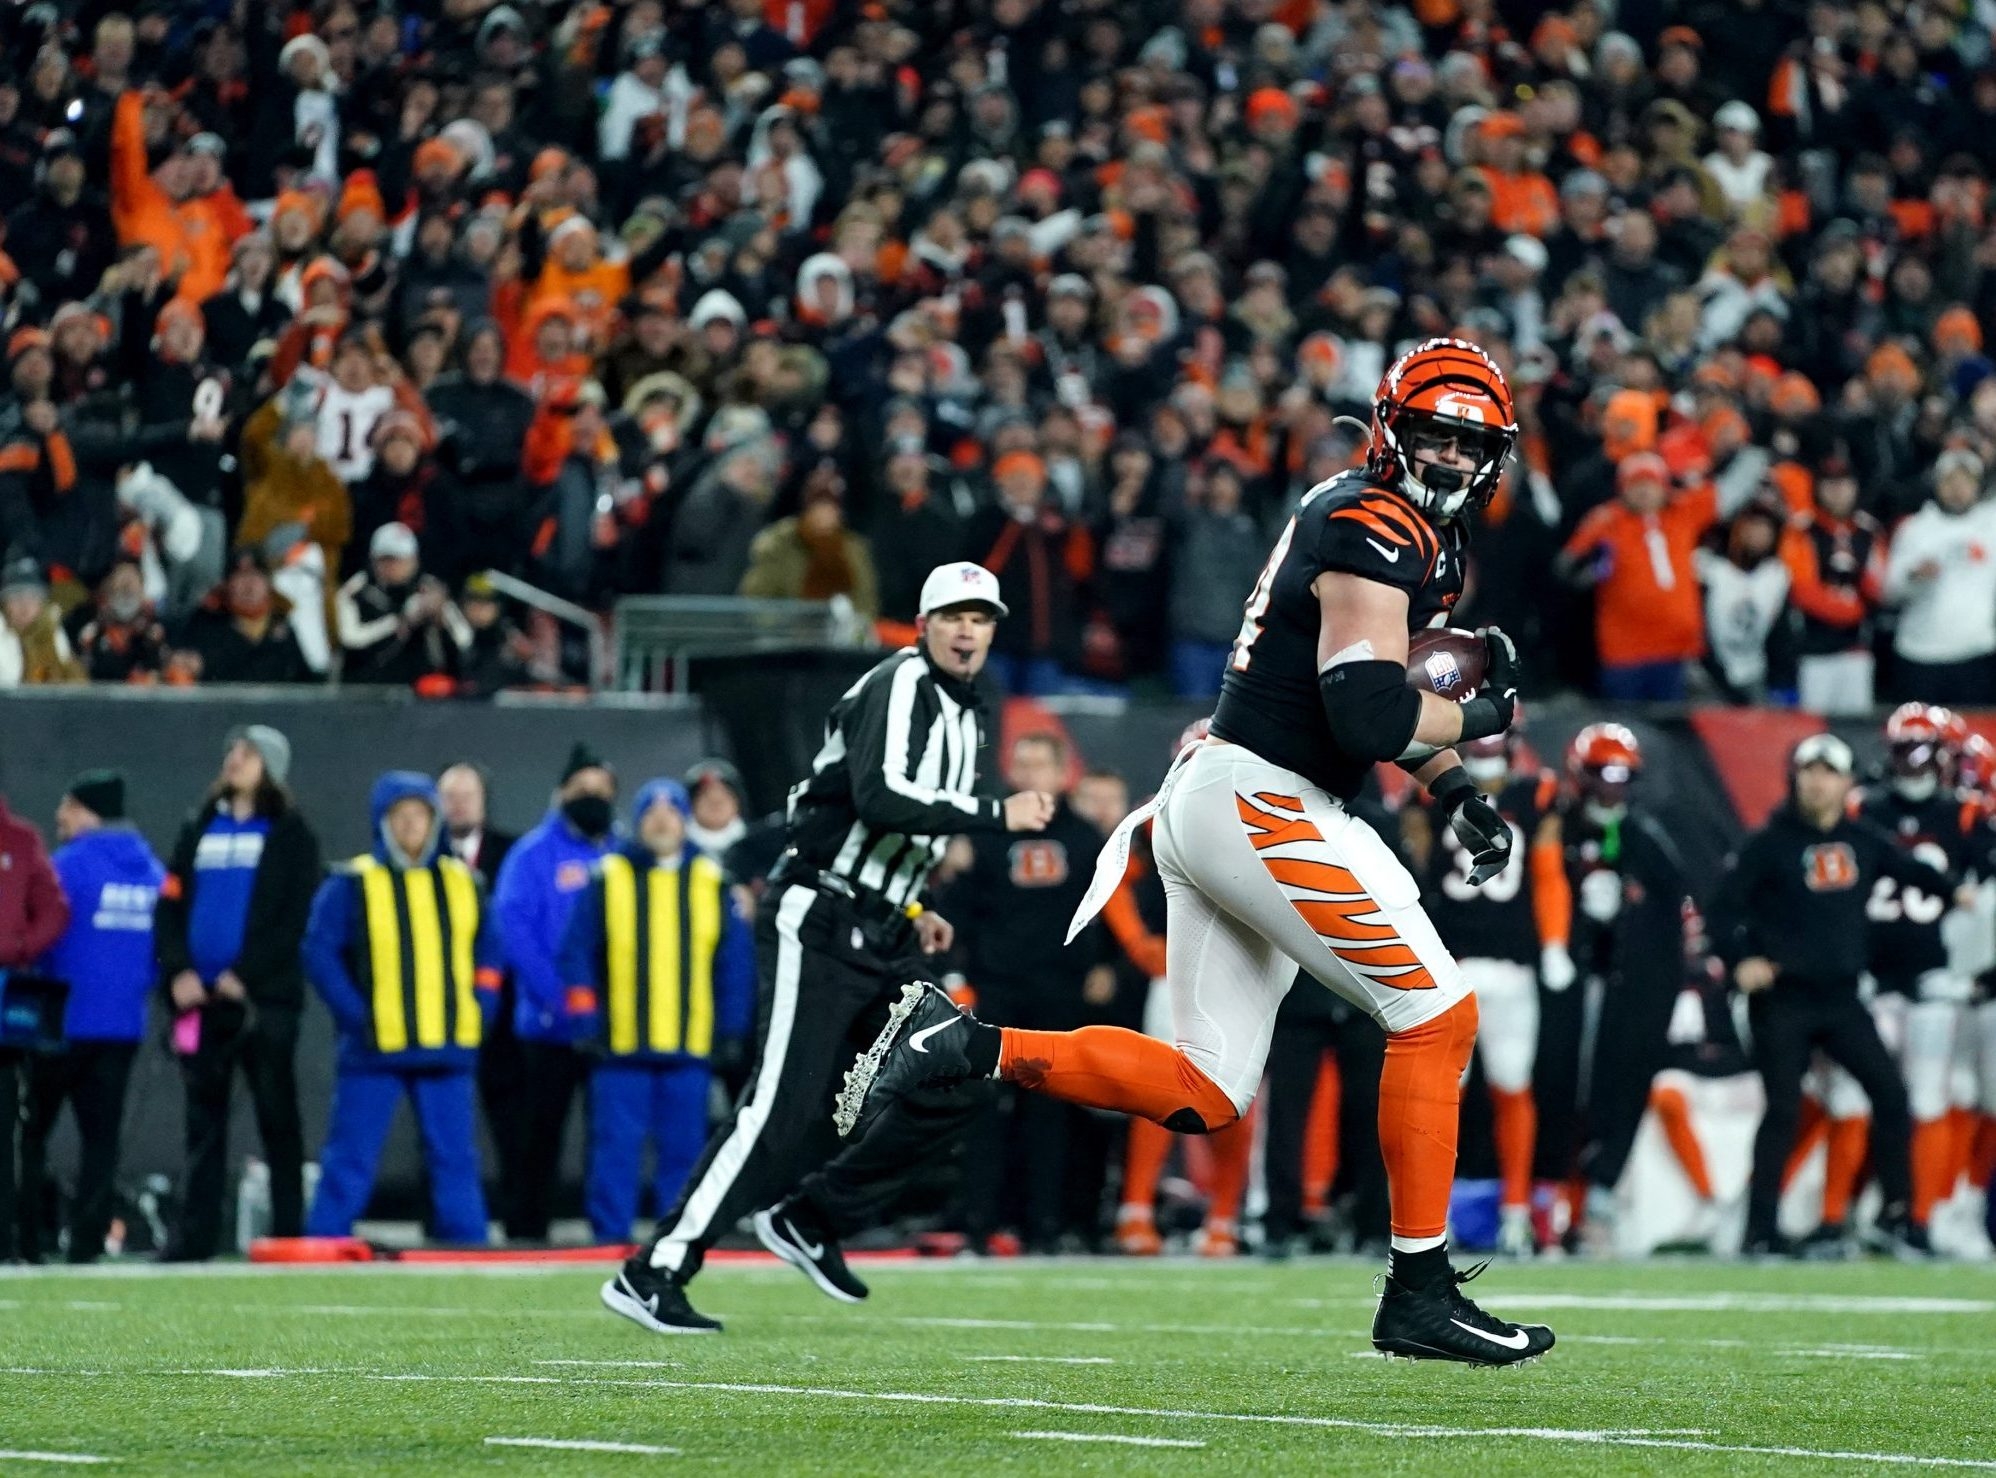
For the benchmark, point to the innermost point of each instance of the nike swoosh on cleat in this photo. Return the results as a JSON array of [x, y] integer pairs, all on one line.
[[1384, 552], [812, 1250], [1515, 1341], [915, 1042]]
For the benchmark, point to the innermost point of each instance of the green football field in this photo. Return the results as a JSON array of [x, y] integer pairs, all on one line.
[[1020, 1366]]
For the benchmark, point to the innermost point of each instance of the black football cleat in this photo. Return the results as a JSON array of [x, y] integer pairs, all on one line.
[[922, 1046], [794, 1233], [1830, 1242], [655, 1299], [1894, 1234], [1439, 1323]]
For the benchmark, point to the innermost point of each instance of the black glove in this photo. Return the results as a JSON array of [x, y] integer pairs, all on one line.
[[1493, 708], [1484, 834]]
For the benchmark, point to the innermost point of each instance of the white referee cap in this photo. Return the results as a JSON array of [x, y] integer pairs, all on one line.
[[960, 584], [1824, 749]]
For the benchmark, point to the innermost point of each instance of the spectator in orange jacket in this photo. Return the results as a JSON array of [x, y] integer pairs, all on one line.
[[194, 231], [1636, 552], [1521, 199], [1835, 555], [577, 272]]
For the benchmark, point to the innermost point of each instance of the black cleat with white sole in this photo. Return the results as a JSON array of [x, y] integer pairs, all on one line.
[[922, 1046], [653, 1298], [1439, 1323], [794, 1233]]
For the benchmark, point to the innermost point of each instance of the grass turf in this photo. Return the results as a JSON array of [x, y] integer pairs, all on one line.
[[1684, 1367]]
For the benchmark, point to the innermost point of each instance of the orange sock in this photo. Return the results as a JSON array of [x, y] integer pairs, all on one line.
[[1849, 1139], [1233, 1148], [1143, 1162], [1111, 1067], [1320, 1137], [1811, 1128], [1673, 1112], [1932, 1159], [1515, 1127], [1982, 1163], [1961, 1125], [1420, 1106]]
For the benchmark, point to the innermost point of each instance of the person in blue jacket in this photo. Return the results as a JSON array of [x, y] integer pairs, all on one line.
[[660, 969], [400, 948], [111, 879], [538, 884]]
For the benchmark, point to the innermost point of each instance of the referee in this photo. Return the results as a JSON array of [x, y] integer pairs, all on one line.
[[839, 932], [1792, 925]]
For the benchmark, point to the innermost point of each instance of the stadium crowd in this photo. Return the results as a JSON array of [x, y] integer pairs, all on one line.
[[314, 313]]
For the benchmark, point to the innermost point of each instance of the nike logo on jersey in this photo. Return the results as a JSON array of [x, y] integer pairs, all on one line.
[[1514, 1341], [915, 1042], [1384, 552]]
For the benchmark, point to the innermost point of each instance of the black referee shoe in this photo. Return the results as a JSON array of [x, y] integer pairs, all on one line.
[[922, 1046], [653, 1298], [1438, 1323], [793, 1233]]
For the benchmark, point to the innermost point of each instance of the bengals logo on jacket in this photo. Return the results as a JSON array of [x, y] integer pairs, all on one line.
[[1038, 864], [1829, 867]]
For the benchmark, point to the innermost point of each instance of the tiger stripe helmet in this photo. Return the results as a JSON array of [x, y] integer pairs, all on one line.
[[1445, 392], [1602, 762]]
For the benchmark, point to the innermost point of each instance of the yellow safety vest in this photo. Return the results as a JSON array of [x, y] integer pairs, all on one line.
[[659, 937], [416, 962]]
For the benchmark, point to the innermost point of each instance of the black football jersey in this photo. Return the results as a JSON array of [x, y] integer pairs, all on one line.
[[1906, 937], [1269, 701], [1495, 921]]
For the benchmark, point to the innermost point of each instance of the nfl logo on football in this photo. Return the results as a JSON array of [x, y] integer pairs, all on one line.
[[1443, 674]]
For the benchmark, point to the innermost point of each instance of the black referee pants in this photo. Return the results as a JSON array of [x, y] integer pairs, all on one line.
[[1787, 1023], [827, 978]]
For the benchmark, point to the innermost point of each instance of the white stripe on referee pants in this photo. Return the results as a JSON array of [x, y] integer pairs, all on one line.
[[670, 1253]]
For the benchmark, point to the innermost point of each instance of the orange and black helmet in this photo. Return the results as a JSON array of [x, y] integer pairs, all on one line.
[[1601, 763], [1445, 394]]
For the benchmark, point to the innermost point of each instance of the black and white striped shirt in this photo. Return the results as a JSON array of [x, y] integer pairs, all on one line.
[[895, 780]]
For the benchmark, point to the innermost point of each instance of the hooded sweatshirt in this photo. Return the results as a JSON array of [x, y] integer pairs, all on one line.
[[112, 881], [537, 888], [337, 935]]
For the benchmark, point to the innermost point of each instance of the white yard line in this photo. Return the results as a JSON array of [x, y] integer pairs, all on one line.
[[1106, 1437], [81, 1458], [563, 1444], [1038, 1360]]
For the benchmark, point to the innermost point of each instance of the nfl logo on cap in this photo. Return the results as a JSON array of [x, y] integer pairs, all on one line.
[[961, 584]]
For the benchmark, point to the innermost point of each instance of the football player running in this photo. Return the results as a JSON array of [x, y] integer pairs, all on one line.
[[1265, 870]]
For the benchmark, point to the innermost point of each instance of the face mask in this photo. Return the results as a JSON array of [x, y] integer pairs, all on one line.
[[589, 814]]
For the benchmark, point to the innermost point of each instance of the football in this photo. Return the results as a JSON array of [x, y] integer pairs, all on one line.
[[1446, 661]]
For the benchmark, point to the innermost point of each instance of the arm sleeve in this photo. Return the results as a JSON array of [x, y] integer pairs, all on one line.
[[327, 933], [883, 739], [521, 908], [1552, 893], [579, 959], [48, 908], [734, 975], [169, 915], [1126, 926], [283, 907], [130, 182]]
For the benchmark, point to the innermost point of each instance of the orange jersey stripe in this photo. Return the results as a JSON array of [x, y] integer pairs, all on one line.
[[1390, 532], [1386, 508]]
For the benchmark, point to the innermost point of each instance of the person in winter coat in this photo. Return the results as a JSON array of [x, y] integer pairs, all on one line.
[[62, 239], [482, 420], [914, 529], [242, 632], [1216, 550], [247, 309], [1028, 543], [34, 912], [33, 646], [398, 625], [538, 885], [660, 968], [287, 482], [106, 956], [409, 487], [192, 232], [813, 555], [1941, 576], [236, 991], [400, 948]]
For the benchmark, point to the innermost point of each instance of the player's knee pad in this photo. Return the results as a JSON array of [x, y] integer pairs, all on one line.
[[1927, 1059]]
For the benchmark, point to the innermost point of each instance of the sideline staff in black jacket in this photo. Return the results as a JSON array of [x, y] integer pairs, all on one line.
[[1792, 926], [230, 918]]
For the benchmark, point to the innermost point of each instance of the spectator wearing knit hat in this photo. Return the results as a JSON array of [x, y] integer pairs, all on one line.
[[1941, 574], [813, 555], [241, 632], [1835, 553], [1046, 559]]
